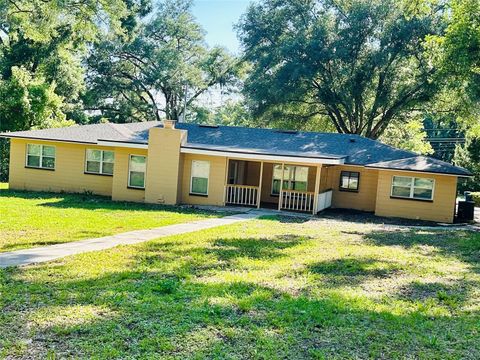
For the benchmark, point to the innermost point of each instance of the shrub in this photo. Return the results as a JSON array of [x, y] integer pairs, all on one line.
[[476, 198], [4, 155]]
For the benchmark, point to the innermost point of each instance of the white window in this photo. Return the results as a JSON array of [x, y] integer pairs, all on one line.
[[412, 187], [136, 171], [294, 178], [199, 177], [99, 162], [40, 156]]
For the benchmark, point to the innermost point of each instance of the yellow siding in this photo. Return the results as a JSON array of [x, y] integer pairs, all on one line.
[[163, 166], [120, 190], [363, 200], [441, 209], [216, 183], [69, 170]]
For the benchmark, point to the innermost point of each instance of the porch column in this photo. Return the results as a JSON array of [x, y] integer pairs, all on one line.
[[259, 195], [317, 188], [280, 195], [225, 182]]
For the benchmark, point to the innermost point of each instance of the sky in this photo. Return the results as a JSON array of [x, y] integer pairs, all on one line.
[[217, 17]]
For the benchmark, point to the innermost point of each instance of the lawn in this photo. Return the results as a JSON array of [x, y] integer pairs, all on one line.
[[29, 219], [265, 289]]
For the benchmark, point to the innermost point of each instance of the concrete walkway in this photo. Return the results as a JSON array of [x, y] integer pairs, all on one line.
[[52, 252]]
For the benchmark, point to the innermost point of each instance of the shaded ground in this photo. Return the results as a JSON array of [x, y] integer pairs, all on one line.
[[363, 217], [53, 252], [30, 219], [266, 289]]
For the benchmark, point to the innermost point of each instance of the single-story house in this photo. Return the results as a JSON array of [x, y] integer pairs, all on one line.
[[183, 163]]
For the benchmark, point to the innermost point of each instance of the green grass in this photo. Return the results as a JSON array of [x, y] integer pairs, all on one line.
[[29, 219], [265, 289]]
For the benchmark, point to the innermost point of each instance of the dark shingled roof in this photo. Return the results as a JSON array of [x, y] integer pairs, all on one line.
[[421, 163], [87, 133], [355, 149]]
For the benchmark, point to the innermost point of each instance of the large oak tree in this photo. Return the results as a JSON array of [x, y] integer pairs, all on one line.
[[360, 63], [42, 43], [158, 71]]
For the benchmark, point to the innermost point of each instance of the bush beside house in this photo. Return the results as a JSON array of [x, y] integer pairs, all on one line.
[[476, 198]]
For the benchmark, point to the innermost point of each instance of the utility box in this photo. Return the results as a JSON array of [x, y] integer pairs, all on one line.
[[465, 212]]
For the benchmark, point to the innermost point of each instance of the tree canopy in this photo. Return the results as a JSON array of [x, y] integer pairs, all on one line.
[[361, 63], [42, 44], [458, 49], [162, 68], [379, 68]]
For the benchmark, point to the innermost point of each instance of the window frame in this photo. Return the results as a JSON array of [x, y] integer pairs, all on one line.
[[41, 167], [191, 178], [101, 162], [412, 188], [290, 180], [129, 172], [341, 188]]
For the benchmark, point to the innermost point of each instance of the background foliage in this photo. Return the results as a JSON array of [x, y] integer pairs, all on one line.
[[406, 72], [161, 64]]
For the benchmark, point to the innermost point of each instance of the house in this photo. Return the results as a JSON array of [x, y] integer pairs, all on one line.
[[181, 163]]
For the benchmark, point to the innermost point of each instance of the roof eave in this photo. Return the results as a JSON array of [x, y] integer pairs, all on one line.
[[8, 136], [125, 144]]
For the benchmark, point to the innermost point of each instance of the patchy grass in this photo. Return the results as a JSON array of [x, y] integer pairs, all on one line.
[[265, 289], [29, 219]]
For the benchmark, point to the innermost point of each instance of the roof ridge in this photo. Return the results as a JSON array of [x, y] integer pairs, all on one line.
[[277, 129]]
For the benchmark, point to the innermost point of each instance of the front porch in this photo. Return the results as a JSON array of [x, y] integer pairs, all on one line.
[[272, 185]]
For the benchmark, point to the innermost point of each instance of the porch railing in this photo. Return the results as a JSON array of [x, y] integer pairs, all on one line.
[[241, 195], [296, 200]]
